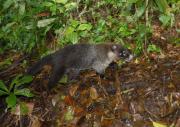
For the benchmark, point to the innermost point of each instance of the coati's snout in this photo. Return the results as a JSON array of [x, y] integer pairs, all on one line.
[[122, 53]]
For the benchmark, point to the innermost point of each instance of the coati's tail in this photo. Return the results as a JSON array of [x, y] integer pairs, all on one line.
[[38, 66]]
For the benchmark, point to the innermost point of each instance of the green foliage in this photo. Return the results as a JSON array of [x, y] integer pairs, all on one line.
[[162, 5], [23, 109], [153, 48], [167, 19], [74, 31], [64, 79], [25, 23], [6, 62], [13, 90]]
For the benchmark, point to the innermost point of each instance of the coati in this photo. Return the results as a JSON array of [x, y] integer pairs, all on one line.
[[74, 58]]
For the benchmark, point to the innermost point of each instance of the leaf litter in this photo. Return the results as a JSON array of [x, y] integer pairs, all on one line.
[[142, 93]]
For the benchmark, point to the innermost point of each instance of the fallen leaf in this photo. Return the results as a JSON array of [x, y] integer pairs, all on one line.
[[158, 124], [93, 93], [68, 100], [69, 115], [73, 90]]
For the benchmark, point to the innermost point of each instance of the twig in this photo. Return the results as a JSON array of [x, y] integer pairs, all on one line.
[[15, 64], [118, 93], [82, 12], [146, 21]]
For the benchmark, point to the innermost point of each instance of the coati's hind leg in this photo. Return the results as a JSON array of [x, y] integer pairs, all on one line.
[[72, 74], [56, 75]]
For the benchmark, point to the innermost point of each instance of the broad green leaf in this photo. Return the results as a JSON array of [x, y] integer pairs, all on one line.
[[70, 6], [23, 92], [3, 86], [28, 27], [74, 23], [85, 27], [99, 38], [45, 22], [71, 35], [73, 38], [61, 1], [3, 93], [157, 124], [11, 100], [14, 81], [69, 30], [8, 26], [7, 4], [53, 9], [24, 79], [140, 11], [165, 19], [21, 8]]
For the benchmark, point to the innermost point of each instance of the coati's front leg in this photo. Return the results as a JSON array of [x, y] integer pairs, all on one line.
[[56, 75]]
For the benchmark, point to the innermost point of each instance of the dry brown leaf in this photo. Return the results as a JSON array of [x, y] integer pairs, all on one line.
[[73, 90]]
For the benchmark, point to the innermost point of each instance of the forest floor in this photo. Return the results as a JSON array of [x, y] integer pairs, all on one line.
[[142, 93]]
